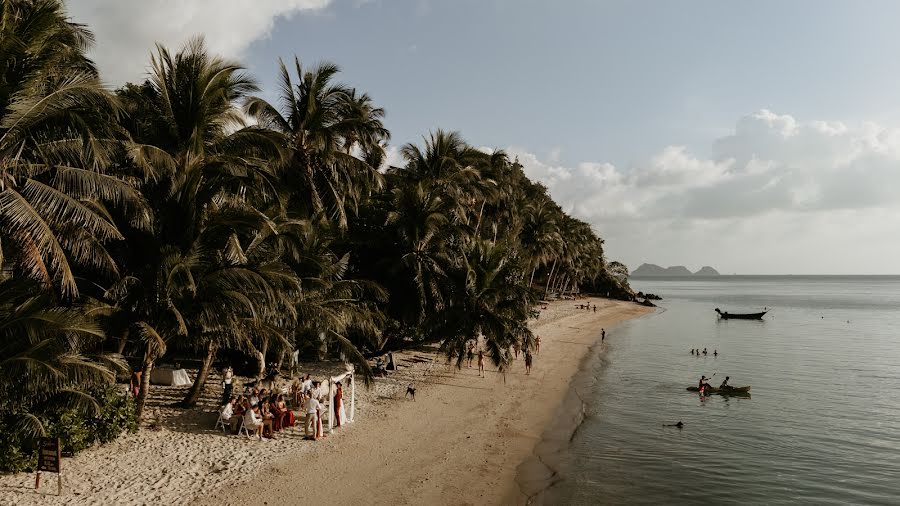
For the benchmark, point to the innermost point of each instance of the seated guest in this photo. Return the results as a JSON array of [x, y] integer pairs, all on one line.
[[254, 397], [268, 419], [228, 416], [252, 421], [283, 416]]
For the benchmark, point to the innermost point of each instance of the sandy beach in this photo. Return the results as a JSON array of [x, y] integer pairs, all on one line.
[[461, 442]]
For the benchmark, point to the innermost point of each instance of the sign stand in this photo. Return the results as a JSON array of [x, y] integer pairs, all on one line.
[[49, 458]]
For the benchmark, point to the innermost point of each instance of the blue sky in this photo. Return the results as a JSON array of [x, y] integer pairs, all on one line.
[[758, 137]]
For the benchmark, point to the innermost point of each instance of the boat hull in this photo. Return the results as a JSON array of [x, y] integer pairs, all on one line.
[[741, 316], [738, 391]]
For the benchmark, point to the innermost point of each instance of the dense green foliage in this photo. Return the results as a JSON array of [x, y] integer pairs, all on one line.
[[186, 215]]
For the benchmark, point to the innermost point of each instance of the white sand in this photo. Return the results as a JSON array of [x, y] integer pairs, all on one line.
[[460, 442]]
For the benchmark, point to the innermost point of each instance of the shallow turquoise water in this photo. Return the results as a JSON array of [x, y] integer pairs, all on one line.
[[823, 423]]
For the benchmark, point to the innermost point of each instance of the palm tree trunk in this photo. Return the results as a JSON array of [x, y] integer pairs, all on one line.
[[193, 395], [531, 281], [120, 349], [550, 278], [478, 225], [146, 369]]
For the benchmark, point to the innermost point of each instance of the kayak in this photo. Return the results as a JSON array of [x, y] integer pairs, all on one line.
[[724, 391]]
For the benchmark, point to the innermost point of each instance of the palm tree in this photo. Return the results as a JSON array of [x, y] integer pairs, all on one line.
[[321, 123], [48, 354], [208, 171], [489, 300], [56, 149], [422, 230]]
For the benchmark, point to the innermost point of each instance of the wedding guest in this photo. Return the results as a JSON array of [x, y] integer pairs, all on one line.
[[311, 423], [339, 413], [227, 414], [252, 421]]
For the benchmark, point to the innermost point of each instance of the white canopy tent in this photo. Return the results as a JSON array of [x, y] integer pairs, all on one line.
[[332, 389]]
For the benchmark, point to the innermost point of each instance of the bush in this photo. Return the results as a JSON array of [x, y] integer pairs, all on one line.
[[117, 414], [75, 430]]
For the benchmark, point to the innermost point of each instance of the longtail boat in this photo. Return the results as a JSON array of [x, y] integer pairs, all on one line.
[[740, 316]]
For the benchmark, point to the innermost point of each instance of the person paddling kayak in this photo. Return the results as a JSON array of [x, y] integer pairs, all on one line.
[[704, 384], [725, 384]]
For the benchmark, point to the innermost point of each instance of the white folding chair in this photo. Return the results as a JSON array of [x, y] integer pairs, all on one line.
[[243, 429], [221, 422]]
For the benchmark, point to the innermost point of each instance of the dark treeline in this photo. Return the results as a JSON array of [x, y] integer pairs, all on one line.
[[184, 214]]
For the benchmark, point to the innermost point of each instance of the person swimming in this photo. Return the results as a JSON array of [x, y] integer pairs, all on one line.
[[704, 351], [680, 424]]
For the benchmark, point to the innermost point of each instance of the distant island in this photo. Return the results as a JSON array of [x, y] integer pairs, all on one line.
[[655, 271]]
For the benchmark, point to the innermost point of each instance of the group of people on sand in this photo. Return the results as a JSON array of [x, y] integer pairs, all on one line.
[[264, 412], [697, 352], [588, 306], [471, 353]]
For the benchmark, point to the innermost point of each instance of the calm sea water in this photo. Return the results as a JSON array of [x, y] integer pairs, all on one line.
[[822, 425]]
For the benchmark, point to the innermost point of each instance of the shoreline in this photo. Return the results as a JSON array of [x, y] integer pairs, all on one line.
[[461, 442], [464, 439], [539, 472]]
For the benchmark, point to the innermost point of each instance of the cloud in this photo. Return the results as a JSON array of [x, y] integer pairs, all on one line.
[[127, 30], [774, 182]]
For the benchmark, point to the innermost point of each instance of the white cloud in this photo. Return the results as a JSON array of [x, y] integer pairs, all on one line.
[[778, 195], [127, 30]]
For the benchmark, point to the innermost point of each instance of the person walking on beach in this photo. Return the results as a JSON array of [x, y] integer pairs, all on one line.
[[481, 363], [527, 362], [595, 308], [471, 353], [602, 335], [537, 344], [516, 347]]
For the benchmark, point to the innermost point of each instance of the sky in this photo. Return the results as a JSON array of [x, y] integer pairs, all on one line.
[[756, 137]]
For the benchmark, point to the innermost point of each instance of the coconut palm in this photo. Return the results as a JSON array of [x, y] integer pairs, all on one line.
[[48, 354], [209, 172], [489, 301], [321, 123], [56, 148]]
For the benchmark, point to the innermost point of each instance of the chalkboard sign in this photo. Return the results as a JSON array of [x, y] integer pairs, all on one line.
[[49, 456]]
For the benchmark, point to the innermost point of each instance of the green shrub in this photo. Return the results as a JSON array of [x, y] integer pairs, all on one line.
[[75, 430], [16, 453], [117, 414]]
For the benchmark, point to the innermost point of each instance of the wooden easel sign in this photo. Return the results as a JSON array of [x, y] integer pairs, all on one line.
[[49, 458]]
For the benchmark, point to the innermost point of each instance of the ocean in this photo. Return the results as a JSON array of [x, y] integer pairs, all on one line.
[[822, 425]]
